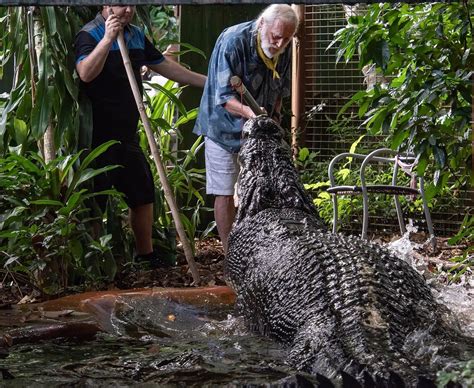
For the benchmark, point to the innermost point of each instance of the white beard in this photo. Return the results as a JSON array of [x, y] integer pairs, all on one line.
[[266, 44], [266, 48]]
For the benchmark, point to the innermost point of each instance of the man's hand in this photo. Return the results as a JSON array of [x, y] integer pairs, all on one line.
[[112, 27], [91, 66]]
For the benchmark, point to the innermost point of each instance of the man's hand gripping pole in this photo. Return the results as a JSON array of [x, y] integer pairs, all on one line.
[[237, 85]]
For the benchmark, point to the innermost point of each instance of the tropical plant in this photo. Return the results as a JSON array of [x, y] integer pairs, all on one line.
[[45, 220], [464, 263], [161, 24], [167, 113], [49, 230], [462, 376], [424, 55], [42, 107]]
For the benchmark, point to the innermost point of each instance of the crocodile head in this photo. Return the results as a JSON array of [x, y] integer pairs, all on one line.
[[268, 178]]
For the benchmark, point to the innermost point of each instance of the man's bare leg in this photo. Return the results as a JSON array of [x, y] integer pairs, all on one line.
[[224, 214], [141, 221]]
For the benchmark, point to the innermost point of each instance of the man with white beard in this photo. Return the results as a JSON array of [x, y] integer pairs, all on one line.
[[259, 53]]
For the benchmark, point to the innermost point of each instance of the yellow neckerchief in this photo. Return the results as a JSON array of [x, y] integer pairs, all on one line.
[[271, 63]]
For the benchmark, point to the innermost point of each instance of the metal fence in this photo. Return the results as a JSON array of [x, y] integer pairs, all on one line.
[[328, 86]]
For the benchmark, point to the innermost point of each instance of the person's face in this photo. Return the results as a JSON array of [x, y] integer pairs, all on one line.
[[276, 36], [124, 13]]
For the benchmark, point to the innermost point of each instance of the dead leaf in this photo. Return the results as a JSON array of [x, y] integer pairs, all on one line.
[[27, 299]]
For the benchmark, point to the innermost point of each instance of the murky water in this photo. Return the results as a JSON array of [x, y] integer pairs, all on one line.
[[152, 342], [156, 343]]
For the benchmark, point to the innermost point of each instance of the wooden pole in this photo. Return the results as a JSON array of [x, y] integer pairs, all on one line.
[[298, 83], [237, 84], [158, 162]]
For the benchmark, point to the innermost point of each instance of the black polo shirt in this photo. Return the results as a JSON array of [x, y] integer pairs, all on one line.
[[115, 113]]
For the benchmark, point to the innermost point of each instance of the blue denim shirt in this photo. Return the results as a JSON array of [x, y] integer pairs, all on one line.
[[235, 53]]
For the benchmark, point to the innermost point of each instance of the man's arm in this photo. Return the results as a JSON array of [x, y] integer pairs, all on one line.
[[236, 108], [174, 71], [91, 66]]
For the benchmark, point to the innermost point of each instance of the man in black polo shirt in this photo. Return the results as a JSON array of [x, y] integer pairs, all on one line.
[[115, 114]]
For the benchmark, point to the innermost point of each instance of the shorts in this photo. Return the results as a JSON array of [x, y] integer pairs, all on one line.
[[133, 176], [222, 169]]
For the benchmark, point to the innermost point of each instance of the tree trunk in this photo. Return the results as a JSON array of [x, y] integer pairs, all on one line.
[[48, 142], [46, 145]]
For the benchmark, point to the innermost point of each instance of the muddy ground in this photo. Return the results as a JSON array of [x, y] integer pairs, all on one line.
[[209, 260]]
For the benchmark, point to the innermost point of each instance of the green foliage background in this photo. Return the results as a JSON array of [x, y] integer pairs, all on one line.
[[47, 215], [424, 53]]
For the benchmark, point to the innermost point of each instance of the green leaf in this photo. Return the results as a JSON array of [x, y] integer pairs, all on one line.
[[26, 164], [105, 240], [355, 144], [374, 123], [165, 90], [76, 249], [191, 155], [398, 138], [343, 173], [47, 202], [421, 166], [41, 113], [379, 52], [91, 173], [356, 97], [439, 154], [14, 100], [66, 165], [190, 115], [78, 175], [49, 16], [72, 202], [399, 81], [303, 154], [190, 48], [364, 107], [161, 124], [96, 152], [21, 130]]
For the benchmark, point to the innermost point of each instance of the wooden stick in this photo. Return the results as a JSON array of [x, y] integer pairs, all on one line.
[[158, 162], [237, 84]]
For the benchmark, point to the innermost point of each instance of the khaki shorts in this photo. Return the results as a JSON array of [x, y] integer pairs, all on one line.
[[222, 169]]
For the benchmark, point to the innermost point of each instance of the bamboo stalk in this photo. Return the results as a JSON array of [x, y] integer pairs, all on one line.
[[158, 162]]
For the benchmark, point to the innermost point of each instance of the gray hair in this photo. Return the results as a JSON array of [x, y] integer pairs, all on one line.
[[283, 12]]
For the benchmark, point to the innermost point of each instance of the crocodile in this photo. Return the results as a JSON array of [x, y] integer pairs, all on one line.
[[350, 312]]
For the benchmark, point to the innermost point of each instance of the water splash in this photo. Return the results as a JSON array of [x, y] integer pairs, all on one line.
[[458, 298], [405, 249]]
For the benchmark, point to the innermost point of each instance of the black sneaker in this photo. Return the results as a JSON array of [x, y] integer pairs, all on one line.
[[153, 259]]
